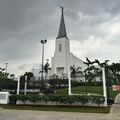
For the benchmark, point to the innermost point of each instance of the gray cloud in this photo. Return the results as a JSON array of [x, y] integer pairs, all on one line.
[[115, 40], [29, 66], [23, 23], [93, 7], [13, 13]]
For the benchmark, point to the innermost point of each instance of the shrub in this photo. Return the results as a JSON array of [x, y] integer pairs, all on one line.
[[13, 98], [34, 98], [70, 99], [23, 98], [82, 99], [62, 99], [97, 100]]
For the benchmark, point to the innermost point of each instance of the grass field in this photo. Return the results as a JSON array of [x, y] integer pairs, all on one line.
[[81, 109], [90, 89]]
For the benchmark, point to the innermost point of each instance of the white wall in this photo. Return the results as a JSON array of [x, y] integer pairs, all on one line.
[[61, 58], [64, 58]]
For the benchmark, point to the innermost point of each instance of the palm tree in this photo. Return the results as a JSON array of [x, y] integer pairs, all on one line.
[[75, 71], [46, 69], [29, 75]]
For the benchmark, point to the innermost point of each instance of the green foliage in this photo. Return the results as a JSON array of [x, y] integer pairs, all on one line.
[[114, 70], [22, 79], [62, 99], [97, 100], [13, 98], [23, 98], [83, 99], [46, 99], [6, 83], [70, 99], [33, 98], [75, 71]]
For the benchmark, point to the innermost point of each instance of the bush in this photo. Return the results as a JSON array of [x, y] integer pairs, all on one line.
[[70, 99], [97, 100], [13, 98], [23, 98], [33, 98], [82, 99]]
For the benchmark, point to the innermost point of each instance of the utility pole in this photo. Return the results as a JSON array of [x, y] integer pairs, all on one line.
[[6, 65], [43, 42], [33, 81]]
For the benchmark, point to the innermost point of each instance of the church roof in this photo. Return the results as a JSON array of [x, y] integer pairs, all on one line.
[[62, 29]]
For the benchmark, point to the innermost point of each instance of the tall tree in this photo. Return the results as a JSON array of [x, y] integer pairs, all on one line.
[[22, 78]]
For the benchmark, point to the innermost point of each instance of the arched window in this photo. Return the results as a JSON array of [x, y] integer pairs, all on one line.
[[60, 47]]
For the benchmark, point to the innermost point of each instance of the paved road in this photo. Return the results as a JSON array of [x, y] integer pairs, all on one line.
[[40, 115]]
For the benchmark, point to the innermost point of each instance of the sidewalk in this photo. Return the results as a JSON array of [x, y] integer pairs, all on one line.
[[114, 112], [40, 115], [6, 114]]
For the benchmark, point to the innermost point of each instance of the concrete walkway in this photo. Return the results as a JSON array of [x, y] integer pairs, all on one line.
[[40, 115], [114, 112]]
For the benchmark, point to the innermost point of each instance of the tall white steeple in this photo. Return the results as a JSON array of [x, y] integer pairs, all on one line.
[[62, 29], [60, 61], [63, 58]]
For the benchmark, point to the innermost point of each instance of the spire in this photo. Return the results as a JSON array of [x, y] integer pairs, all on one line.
[[62, 29]]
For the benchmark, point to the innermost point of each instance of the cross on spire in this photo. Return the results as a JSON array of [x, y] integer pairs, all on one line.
[[62, 8], [62, 29]]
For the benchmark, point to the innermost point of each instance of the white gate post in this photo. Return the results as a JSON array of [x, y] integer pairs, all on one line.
[[18, 85], [69, 75], [69, 83], [104, 86]]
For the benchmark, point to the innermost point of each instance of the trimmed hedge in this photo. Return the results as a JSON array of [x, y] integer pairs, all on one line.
[[61, 99]]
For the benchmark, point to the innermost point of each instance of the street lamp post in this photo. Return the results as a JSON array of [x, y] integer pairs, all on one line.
[[43, 42]]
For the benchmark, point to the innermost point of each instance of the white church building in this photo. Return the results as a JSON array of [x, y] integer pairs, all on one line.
[[63, 58]]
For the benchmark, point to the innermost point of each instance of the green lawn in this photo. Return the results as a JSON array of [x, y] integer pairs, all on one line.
[[81, 109], [90, 89]]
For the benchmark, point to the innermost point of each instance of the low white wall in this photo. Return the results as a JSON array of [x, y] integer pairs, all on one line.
[[4, 97]]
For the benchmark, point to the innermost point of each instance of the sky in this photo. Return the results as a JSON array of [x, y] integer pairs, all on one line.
[[93, 28]]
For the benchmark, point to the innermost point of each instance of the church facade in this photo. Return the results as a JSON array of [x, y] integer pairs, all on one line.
[[63, 59]]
